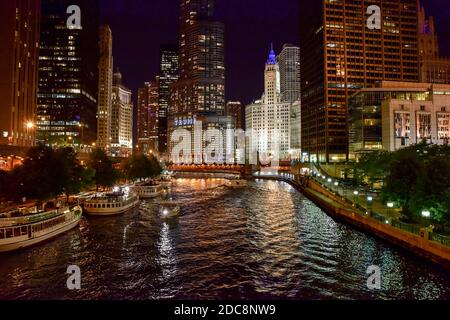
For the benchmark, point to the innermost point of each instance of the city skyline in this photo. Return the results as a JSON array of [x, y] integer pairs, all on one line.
[[248, 152], [250, 28]]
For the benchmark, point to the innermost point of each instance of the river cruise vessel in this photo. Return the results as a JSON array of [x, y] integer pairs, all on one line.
[[113, 203], [148, 190], [22, 228]]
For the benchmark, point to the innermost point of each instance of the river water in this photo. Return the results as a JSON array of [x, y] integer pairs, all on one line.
[[266, 241]]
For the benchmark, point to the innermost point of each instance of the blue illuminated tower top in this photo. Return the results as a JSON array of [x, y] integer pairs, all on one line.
[[272, 56]]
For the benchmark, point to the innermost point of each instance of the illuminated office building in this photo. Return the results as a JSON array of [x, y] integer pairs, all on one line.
[[201, 87], [19, 31], [68, 75], [121, 144], [234, 109], [105, 88], [168, 74], [148, 118], [340, 54], [289, 62]]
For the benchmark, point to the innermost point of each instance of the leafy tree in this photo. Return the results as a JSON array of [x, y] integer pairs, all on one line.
[[432, 192], [156, 166], [372, 167], [105, 173], [402, 179], [42, 175], [76, 176], [141, 167]]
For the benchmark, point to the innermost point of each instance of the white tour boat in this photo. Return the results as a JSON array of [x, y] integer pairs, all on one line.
[[19, 229], [166, 180], [109, 204], [148, 190]]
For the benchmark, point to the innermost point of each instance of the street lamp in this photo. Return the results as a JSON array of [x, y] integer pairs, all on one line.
[[390, 206], [29, 125], [355, 193], [426, 214]]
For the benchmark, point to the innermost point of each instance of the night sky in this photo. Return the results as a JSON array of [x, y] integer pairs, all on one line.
[[140, 26]]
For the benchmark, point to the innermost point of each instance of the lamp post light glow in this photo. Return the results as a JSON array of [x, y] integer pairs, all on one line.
[[390, 205], [30, 125], [426, 214]]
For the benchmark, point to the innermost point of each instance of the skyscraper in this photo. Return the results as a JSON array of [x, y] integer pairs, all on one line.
[[68, 74], [234, 109], [148, 119], [289, 61], [201, 87], [105, 88], [169, 73], [433, 67], [19, 31], [269, 121], [121, 119], [342, 52]]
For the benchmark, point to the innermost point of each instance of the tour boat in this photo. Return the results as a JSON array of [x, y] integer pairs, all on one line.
[[148, 190], [21, 228], [237, 183], [169, 210], [109, 204], [166, 180]]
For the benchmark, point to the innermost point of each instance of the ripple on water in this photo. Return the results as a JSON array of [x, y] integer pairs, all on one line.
[[264, 241]]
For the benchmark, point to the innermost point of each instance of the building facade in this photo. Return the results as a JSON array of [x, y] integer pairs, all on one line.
[[148, 118], [234, 109], [342, 53], [19, 31], [68, 75], [121, 144], [269, 120], [168, 74], [105, 88], [433, 67], [201, 86], [398, 114], [407, 122], [289, 62]]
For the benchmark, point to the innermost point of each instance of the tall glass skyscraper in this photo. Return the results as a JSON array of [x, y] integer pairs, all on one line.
[[289, 62], [200, 90], [168, 74], [68, 74]]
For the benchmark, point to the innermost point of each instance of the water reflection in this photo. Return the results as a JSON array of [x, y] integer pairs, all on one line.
[[263, 241]]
